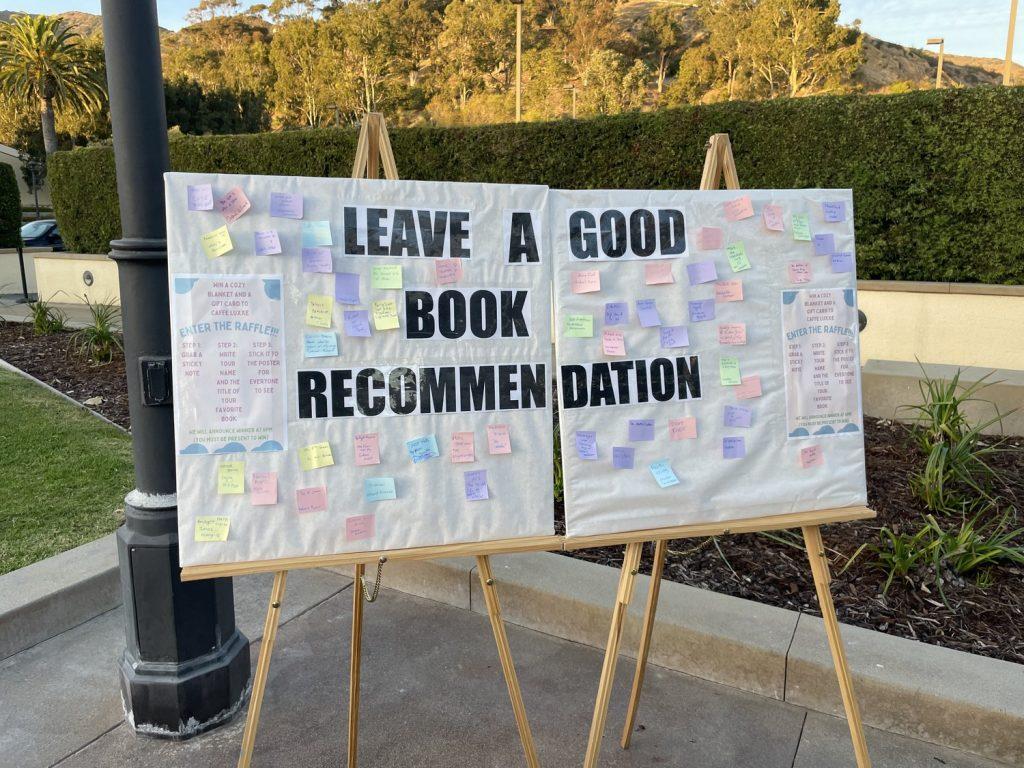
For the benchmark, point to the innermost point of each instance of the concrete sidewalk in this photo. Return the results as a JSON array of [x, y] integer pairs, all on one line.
[[432, 695]]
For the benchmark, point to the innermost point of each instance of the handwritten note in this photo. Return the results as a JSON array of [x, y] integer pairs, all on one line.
[[475, 483], [647, 312], [586, 281], [738, 209], [217, 243], [772, 215], [379, 489], [834, 211], [749, 388], [663, 473], [233, 205], [499, 441], [812, 456], [317, 259], [737, 255], [315, 456], [622, 457], [701, 272], [709, 239], [385, 315], [346, 287], [231, 477], [729, 290], [732, 333], [357, 322], [842, 262], [799, 272], [733, 448], [447, 271], [386, 277], [729, 371], [316, 233], [641, 430], [586, 445], [212, 528], [658, 273], [684, 428], [616, 313], [320, 344], [824, 244], [422, 448], [673, 336], [737, 416], [367, 445], [613, 343], [462, 450], [264, 489], [801, 227], [701, 310], [579, 326], [285, 205], [200, 197], [266, 242], [319, 310], [360, 527], [311, 499]]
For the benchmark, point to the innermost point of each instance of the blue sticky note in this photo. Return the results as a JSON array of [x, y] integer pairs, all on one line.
[[701, 310], [834, 211], [663, 473], [346, 287], [842, 262], [422, 448], [701, 272], [586, 445], [824, 245], [323, 344], [647, 311], [316, 233], [733, 448], [641, 430], [475, 482], [357, 322], [674, 336], [616, 313], [317, 259], [379, 488], [622, 457], [737, 416]]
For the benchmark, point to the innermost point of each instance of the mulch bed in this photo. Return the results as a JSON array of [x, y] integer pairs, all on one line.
[[985, 620]]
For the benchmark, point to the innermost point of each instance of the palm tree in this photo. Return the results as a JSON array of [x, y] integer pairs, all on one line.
[[43, 61]]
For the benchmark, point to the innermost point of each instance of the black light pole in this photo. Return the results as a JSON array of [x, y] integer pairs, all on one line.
[[186, 666]]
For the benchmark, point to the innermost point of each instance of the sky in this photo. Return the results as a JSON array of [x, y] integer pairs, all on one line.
[[980, 31]]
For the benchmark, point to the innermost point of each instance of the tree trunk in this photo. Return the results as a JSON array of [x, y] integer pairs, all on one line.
[[49, 126]]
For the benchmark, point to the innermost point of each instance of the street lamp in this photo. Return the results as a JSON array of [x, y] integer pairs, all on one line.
[[941, 42], [519, 58], [1008, 70]]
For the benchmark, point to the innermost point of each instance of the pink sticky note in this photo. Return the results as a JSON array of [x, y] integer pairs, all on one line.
[[739, 209], [586, 281], [799, 271], [311, 499], [709, 239], [448, 271], [367, 449], [658, 273], [614, 343], [264, 488], [773, 218], [360, 527], [749, 388], [498, 439], [683, 429], [233, 204], [463, 451], [732, 333], [812, 456], [729, 290]]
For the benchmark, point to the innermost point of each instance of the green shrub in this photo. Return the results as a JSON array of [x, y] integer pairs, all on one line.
[[10, 208], [47, 319], [99, 341]]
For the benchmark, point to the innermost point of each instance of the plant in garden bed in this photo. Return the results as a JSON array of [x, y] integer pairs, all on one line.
[[99, 341], [47, 318]]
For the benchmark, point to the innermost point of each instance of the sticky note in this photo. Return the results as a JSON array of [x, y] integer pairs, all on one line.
[[684, 428], [738, 209], [801, 227], [737, 253], [316, 233], [616, 313], [732, 333], [422, 448], [360, 527], [217, 243], [319, 309], [317, 259], [613, 343], [799, 271], [585, 281], [475, 482], [729, 290], [586, 445], [641, 430], [212, 527], [200, 197], [285, 205], [367, 445], [356, 322], [709, 239], [264, 489], [737, 416], [311, 499], [266, 242], [701, 272], [447, 271], [733, 448], [233, 205], [320, 344], [385, 315], [673, 336], [499, 441], [658, 273], [824, 245], [647, 312], [834, 211], [315, 456], [772, 215], [231, 477], [663, 473], [579, 326], [386, 277], [749, 388], [701, 310], [812, 456], [379, 489], [729, 371], [346, 287], [622, 457], [463, 451], [842, 262]]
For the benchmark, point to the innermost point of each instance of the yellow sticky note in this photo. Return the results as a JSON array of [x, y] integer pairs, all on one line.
[[385, 315], [212, 527], [231, 477], [315, 456], [319, 309], [217, 243], [579, 326], [386, 277]]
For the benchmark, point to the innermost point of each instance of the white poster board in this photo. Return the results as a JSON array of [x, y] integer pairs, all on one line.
[[736, 394], [304, 424]]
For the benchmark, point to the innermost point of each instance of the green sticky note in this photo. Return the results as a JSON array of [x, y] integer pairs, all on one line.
[[579, 326], [737, 253], [729, 371], [801, 227], [387, 277]]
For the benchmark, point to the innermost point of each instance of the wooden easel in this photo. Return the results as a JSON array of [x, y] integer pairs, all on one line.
[[718, 164], [372, 152]]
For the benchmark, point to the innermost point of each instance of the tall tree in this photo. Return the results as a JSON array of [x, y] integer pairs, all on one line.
[[661, 40]]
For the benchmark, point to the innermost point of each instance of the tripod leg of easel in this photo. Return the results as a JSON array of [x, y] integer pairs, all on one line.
[[259, 682], [627, 577], [822, 584], [483, 564], [645, 641], [355, 659]]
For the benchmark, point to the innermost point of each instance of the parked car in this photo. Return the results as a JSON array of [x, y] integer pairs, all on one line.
[[42, 233]]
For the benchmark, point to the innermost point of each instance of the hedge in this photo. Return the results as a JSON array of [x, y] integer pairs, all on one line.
[[936, 175], [10, 208]]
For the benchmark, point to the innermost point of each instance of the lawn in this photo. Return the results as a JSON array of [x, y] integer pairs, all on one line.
[[64, 474]]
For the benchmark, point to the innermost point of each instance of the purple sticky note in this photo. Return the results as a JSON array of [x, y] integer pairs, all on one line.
[[737, 416], [701, 272], [674, 336], [317, 259], [616, 313], [200, 197], [733, 448], [285, 205], [824, 245], [357, 322], [641, 430], [701, 310], [647, 311], [476, 485], [834, 211], [266, 243], [586, 445], [622, 458], [842, 262], [346, 287]]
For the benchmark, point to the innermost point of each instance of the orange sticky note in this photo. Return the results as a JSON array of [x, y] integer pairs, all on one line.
[[448, 271], [367, 449], [709, 239], [773, 218], [683, 429], [799, 271], [498, 439], [749, 388], [586, 281], [264, 489], [739, 209], [732, 333], [463, 451], [728, 290], [812, 456], [659, 273], [613, 342]]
